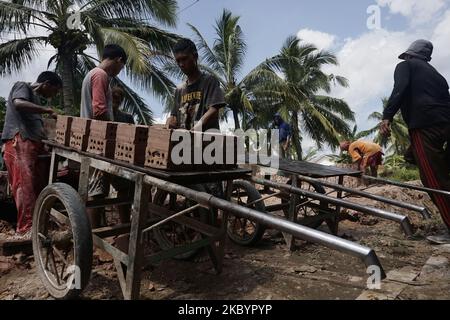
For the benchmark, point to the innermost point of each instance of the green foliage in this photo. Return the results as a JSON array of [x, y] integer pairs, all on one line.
[[130, 24], [402, 174], [398, 142], [342, 158], [2, 112]]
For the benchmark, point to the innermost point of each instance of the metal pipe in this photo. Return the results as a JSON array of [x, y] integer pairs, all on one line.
[[423, 211], [409, 186], [402, 220], [366, 254]]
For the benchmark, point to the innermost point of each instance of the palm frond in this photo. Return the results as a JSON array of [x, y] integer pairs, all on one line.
[[162, 11], [16, 54]]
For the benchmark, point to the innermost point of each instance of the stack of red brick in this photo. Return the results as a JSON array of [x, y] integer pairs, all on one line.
[[155, 146]]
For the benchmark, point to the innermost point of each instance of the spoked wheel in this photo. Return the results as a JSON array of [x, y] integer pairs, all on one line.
[[241, 230], [171, 234], [62, 241], [308, 211]]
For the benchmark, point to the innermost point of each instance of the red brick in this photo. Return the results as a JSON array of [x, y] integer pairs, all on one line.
[[101, 147], [81, 125], [103, 130], [130, 153], [132, 134], [159, 149], [79, 133], [63, 127]]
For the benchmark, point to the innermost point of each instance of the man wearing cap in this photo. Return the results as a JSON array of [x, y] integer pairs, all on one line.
[[422, 95]]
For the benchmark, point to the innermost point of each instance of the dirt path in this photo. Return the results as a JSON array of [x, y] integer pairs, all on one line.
[[270, 271]]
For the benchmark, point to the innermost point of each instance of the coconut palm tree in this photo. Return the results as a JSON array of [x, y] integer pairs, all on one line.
[[398, 142], [130, 24], [297, 93]]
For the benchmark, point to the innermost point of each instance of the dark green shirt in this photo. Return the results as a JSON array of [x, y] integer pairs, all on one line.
[[29, 125], [193, 101]]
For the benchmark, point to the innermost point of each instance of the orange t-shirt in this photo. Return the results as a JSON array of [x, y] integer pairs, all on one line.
[[363, 149]]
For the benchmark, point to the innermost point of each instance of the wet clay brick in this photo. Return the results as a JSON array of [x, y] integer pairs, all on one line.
[[63, 127], [131, 142], [101, 147], [130, 153], [79, 133], [160, 146], [132, 134], [103, 130]]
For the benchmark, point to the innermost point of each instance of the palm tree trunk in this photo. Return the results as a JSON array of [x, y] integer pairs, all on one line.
[[237, 125], [67, 78], [296, 139]]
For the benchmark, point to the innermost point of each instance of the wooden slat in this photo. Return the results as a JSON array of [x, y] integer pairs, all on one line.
[[119, 229], [170, 253], [189, 222], [313, 170], [108, 202], [116, 253], [9, 248]]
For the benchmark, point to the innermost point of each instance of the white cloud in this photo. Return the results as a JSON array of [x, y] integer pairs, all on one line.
[[368, 62], [440, 39], [28, 73], [162, 119], [419, 11], [321, 40]]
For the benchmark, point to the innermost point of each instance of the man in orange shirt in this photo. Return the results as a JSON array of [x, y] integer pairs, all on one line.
[[364, 154]]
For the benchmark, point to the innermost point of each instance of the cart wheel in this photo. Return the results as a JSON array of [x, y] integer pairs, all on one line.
[[171, 234], [307, 214], [240, 230], [62, 241]]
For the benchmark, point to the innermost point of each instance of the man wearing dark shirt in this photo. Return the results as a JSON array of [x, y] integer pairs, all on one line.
[[117, 99], [197, 100], [422, 95], [23, 133]]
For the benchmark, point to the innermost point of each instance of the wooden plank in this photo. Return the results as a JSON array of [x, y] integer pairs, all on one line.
[[119, 229], [60, 217], [135, 251], [189, 222], [313, 170], [170, 253], [12, 247], [116, 253], [83, 184], [99, 203]]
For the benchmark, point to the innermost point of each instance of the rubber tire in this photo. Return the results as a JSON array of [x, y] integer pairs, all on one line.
[[82, 237], [161, 238], [253, 195], [319, 189]]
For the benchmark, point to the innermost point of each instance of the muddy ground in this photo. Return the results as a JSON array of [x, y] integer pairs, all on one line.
[[417, 270]]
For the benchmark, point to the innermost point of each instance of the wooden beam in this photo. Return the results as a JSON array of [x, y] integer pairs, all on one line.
[[116, 253]]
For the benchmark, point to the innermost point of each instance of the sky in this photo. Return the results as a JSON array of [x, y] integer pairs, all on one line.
[[368, 53]]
